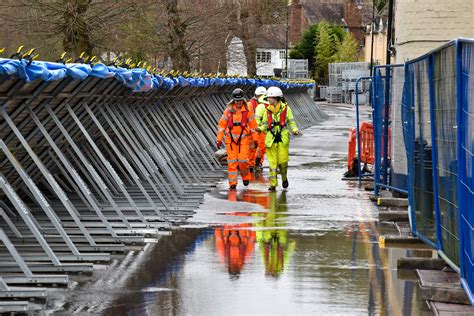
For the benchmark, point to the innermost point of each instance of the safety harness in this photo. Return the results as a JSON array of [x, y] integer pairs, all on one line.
[[254, 102], [242, 124], [272, 124]]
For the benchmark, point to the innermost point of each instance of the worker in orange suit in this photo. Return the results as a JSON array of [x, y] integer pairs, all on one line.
[[237, 127], [255, 160]]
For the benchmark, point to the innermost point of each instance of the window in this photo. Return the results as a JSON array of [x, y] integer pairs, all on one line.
[[264, 57], [282, 54]]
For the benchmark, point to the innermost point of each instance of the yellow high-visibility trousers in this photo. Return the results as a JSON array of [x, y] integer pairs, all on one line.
[[278, 156]]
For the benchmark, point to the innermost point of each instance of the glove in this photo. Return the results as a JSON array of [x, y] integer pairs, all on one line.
[[219, 144], [297, 133], [258, 130], [256, 144]]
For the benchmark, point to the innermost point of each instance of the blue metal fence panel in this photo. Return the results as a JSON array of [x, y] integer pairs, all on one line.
[[398, 161], [420, 152], [390, 159], [446, 128], [378, 97], [438, 130], [466, 162]]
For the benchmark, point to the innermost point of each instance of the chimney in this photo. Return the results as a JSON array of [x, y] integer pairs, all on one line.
[[353, 19], [296, 22]]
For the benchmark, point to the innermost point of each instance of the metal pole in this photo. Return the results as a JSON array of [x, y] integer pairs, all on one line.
[[389, 31], [372, 23], [387, 94], [286, 47], [359, 176]]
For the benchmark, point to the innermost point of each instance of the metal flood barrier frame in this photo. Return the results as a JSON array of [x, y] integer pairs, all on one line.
[[438, 122], [88, 167]]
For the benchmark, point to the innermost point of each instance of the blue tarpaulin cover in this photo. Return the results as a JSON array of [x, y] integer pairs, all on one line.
[[137, 79]]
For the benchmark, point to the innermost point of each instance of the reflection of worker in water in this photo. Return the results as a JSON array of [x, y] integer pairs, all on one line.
[[235, 243], [272, 238]]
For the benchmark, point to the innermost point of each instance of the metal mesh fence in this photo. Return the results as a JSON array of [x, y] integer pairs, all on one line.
[[342, 79], [297, 68], [391, 168], [424, 142], [466, 200], [398, 157], [421, 181], [350, 70], [378, 123], [445, 123]]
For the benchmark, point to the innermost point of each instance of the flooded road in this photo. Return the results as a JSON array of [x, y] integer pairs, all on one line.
[[309, 250]]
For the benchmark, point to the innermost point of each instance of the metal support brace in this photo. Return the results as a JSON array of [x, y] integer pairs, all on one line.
[[104, 189], [79, 182]]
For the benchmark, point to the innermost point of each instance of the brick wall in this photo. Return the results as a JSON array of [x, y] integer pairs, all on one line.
[[422, 25]]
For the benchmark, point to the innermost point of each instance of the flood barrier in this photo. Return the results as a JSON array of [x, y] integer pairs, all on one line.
[[96, 158]]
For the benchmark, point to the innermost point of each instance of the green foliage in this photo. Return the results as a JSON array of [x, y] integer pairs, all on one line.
[[305, 48], [333, 35], [324, 50], [380, 5], [347, 51], [322, 44]]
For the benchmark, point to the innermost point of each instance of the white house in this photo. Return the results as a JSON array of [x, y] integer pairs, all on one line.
[[270, 61], [271, 49]]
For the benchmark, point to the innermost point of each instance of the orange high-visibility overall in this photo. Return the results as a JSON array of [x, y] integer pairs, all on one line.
[[238, 126]]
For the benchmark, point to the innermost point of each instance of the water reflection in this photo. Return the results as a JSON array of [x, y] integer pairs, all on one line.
[[316, 255], [235, 243], [275, 248]]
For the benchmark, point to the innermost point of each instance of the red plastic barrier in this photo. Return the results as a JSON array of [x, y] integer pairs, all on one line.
[[367, 149]]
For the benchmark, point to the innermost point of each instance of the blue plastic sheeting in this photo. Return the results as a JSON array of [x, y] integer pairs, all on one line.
[[137, 79]]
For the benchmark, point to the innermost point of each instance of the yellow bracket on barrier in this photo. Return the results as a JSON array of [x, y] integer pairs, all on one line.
[[382, 241]]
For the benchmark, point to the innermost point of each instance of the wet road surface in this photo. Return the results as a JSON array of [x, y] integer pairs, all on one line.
[[309, 250]]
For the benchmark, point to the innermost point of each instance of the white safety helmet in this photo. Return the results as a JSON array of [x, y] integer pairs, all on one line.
[[274, 92], [260, 91]]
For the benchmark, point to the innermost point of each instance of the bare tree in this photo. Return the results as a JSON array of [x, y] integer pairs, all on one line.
[[193, 34], [81, 25], [246, 19]]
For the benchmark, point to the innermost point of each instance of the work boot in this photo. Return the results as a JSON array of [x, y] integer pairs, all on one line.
[[285, 184], [272, 188], [246, 182], [233, 186]]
